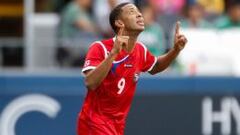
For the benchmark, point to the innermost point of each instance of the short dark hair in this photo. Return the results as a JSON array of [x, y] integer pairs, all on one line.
[[115, 13], [232, 3]]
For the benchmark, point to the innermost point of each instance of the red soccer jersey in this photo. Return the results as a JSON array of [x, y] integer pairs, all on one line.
[[112, 99]]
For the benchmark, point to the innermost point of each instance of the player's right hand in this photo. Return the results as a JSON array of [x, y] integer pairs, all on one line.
[[120, 42]]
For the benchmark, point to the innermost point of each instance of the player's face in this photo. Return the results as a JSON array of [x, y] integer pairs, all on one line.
[[132, 18]]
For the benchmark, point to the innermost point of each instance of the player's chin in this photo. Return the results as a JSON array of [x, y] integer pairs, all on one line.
[[140, 28]]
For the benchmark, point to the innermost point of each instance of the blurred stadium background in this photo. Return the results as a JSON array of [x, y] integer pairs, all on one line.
[[42, 49]]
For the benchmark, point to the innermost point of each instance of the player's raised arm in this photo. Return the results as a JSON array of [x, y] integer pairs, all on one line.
[[165, 60], [94, 77]]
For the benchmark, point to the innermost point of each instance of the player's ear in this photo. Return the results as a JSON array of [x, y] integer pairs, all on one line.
[[119, 23]]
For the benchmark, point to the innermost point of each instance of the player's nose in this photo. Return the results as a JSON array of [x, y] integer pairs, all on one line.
[[139, 14]]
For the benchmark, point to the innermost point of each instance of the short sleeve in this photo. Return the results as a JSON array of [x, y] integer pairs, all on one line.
[[94, 57], [149, 61]]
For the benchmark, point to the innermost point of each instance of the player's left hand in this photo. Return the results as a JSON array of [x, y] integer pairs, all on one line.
[[179, 39]]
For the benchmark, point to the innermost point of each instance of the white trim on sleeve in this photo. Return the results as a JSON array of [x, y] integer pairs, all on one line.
[[88, 68], [104, 49], [155, 61], [145, 50]]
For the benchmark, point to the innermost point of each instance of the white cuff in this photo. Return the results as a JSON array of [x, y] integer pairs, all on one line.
[[88, 68]]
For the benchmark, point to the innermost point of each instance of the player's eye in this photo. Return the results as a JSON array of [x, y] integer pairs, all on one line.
[[131, 12]]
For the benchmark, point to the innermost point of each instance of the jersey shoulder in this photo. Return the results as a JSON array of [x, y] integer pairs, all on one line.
[[104, 46], [108, 43], [141, 46], [142, 49]]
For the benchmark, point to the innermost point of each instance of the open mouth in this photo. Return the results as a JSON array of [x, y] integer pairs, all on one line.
[[141, 23]]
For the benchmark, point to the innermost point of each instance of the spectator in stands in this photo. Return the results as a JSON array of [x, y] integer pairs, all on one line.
[[212, 7], [232, 18], [76, 18], [101, 9], [167, 6], [194, 17], [77, 31], [153, 35], [167, 12]]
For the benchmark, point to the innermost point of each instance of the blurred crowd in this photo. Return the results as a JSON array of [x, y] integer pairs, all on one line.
[[84, 21]]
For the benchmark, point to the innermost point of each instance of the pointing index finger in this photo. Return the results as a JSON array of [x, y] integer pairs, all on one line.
[[120, 32], [177, 28]]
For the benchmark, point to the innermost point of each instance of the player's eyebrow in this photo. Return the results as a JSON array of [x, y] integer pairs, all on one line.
[[133, 8]]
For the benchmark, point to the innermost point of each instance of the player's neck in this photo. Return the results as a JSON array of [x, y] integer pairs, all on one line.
[[131, 44], [132, 41]]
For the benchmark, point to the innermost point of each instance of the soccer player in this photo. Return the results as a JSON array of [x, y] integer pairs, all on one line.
[[112, 68]]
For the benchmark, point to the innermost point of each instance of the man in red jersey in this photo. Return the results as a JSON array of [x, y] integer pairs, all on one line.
[[112, 68]]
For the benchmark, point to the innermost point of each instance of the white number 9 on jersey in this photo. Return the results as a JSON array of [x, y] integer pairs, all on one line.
[[121, 85]]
